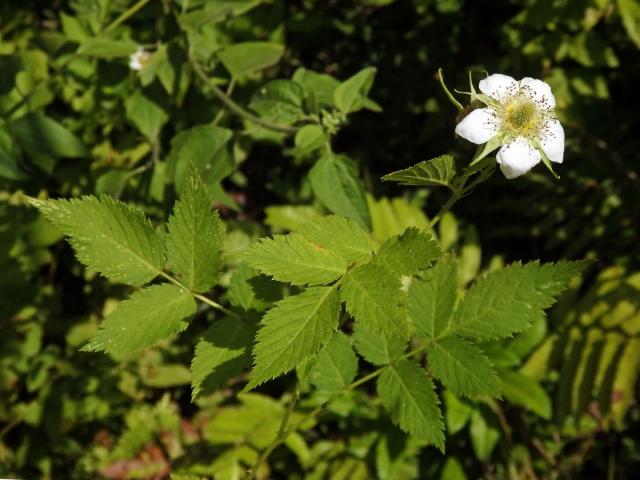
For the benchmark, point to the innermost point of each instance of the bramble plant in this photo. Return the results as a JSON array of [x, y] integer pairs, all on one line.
[[395, 306], [225, 256]]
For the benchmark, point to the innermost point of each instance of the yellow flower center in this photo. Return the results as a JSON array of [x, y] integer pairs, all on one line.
[[520, 116]]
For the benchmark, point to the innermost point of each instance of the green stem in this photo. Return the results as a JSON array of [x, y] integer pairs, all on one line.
[[217, 306], [124, 16], [202, 298], [228, 93], [282, 435], [455, 196], [233, 106]]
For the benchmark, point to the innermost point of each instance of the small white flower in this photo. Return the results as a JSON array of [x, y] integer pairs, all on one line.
[[139, 59], [518, 117]]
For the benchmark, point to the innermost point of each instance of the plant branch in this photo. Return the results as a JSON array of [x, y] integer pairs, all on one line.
[[228, 93], [233, 106], [455, 196], [282, 435]]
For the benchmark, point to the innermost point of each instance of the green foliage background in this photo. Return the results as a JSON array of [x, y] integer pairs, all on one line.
[[76, 120]]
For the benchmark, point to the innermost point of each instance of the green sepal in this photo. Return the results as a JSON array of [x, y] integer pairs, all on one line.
[[545, 159], [453, 100]]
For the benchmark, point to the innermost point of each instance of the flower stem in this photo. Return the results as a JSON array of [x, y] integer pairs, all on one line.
[[455, 196], [233, 106]]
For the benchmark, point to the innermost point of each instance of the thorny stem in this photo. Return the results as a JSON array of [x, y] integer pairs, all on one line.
[[233, 106]]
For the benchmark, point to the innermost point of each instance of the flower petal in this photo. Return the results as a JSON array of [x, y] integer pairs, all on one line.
[[498, 86], [479, 126], [552, 140], [517, 157], [539, 92]]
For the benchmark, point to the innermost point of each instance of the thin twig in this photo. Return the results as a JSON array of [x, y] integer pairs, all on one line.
[[282, 435], [228, 93], [233, 106]]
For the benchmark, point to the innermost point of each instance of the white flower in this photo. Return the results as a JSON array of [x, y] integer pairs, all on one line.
[[139, 59], [518, 117]]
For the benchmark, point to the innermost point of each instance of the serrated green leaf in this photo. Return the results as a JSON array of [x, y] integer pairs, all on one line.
[[240, 292], [296, 328], [432, 299], [439, 171], [243, 58], [280, 101], [147, 317], [377, 348], [408, 395], [508, 300], [221, 354], [341, 235], [375, 298], [195, 238], [294, 259], [408, 253], [350, 95], [109, 237], [336, 365], [463, 367], [334, 180]]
